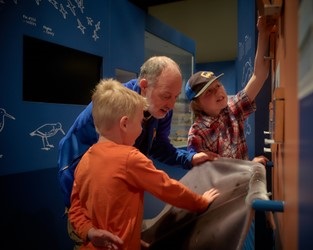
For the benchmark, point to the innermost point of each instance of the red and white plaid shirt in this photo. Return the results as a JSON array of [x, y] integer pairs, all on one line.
[[223, 134]]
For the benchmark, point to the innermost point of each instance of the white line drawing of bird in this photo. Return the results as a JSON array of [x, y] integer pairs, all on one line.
[[45, 131], [4, 114]]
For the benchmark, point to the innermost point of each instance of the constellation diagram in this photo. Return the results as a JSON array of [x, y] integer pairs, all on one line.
[[67, 9], [81, 23]]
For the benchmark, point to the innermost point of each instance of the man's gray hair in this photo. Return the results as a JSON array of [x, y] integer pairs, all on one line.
[[154, 66]]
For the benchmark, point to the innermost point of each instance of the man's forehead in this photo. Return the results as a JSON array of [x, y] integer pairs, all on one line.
[[168, 87]]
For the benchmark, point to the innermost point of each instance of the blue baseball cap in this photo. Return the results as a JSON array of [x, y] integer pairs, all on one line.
[[198, 83]]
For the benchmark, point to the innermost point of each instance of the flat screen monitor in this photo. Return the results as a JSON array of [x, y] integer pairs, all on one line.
[[54, 73]]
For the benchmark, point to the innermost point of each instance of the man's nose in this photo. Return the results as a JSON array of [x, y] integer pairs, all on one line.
[[171, 103]]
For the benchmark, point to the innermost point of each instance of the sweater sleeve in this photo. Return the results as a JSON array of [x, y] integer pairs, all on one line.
[[142, 173], [78, 215], [162, 149]]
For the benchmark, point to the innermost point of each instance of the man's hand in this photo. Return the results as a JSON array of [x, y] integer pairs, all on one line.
[[202, 157]]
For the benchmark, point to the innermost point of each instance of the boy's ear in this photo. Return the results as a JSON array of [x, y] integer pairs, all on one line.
[[123, 122]]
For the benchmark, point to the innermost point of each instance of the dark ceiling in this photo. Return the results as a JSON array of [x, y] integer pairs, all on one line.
[[145, 4]]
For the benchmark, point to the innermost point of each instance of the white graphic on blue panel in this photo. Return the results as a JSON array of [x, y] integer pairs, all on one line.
[[247, 128], [54, 3], [97, 26], [246, 73], [85, 24], [3, 116], [37, 2], [89, 21], [48, 30], [81, 26], [80, 5], [63, 11], [46, 131], [71, 7], [95, 35]]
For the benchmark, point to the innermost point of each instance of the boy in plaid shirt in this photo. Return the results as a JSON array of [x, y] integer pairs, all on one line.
[[219, 123]]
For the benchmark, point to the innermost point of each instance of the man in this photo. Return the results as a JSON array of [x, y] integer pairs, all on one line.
[[160, 82]]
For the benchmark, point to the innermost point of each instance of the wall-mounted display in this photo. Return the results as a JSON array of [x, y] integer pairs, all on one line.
[[54, 73]]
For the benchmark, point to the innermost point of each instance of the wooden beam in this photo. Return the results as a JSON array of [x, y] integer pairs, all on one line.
[[269, 8]]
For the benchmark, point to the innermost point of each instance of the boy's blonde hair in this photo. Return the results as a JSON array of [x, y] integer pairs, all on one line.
[[111, 101]]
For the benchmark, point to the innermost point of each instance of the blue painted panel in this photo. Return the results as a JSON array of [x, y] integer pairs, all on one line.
[[127, 36], [22, 151], [113, 30]]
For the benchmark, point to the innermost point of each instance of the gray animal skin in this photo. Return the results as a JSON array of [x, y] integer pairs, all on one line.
[[227, 221]]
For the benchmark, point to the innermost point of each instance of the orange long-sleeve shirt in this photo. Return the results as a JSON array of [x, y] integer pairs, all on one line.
[[108, 192]]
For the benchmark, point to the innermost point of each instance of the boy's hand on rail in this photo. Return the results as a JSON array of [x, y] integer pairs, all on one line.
[[261, 159]]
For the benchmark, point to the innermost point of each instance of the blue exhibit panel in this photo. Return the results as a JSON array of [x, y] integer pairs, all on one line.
[[34, 118]]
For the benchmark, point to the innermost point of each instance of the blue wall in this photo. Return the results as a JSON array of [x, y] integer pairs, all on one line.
[[106, 35]]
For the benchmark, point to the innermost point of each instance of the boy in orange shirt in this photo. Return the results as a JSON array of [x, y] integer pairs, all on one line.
[[110, 179]]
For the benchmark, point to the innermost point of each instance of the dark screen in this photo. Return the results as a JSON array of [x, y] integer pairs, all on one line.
[[56, 74]]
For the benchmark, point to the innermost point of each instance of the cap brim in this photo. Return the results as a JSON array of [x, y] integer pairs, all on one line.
[[207, 85]]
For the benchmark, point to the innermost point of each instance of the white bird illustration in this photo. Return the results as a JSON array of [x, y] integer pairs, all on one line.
[[4, 114], [45, 131]]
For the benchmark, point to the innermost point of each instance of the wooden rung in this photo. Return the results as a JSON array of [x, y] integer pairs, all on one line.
[[269, 8]]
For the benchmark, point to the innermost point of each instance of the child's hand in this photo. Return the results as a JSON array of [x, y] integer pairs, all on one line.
[[260, 159], [266, 24], [211, 194], [104, 239]]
